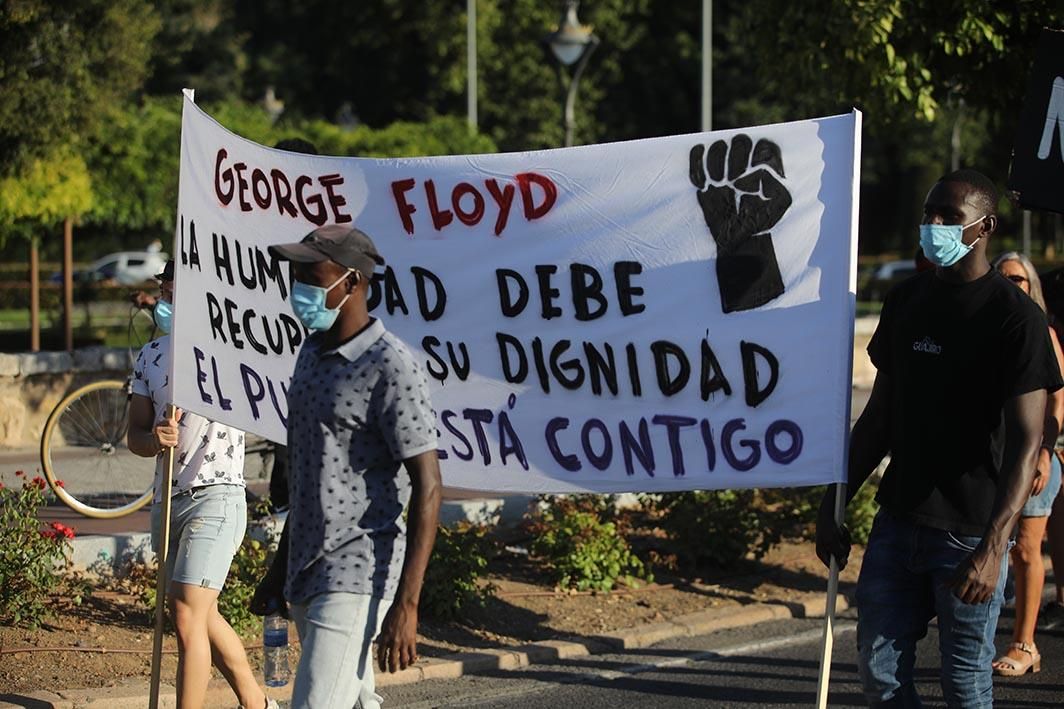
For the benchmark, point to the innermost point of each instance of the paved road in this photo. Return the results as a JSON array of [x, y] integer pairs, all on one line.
[[768, 665]]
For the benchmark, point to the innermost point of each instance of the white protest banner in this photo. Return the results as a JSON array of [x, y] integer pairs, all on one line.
[[662, 314]]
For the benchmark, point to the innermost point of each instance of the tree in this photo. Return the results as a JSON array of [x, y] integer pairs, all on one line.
[[48, 190], [376, 78], [374, 62], [918, 69], [897, 59], [134, 161], [63, 65], [45, 193], [200, 45]]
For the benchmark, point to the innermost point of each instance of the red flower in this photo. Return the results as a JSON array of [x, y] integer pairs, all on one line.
[[59, 483], [40, 482], [19, 473], [48, 534], [61, 528]]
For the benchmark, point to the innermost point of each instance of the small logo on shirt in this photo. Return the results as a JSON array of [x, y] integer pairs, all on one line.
[[927, 345]]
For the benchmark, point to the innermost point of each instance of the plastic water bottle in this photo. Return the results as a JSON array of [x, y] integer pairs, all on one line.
[[275, 650]]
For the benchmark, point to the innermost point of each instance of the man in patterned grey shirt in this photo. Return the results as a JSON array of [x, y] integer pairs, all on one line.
[[358, 412]]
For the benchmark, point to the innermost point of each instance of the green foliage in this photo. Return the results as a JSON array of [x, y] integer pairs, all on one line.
[[135, 160], [137, 579], [861, 511], [442, 135], [49, 190], [388, 79], [134, 163], [248, 567], [63, 65], [720, 526], [521, 106], [31, 559], [452, 580], [386, 60], [797, 509], [15, 295], [899, 59], [46, 191], [199, 45], [581, 550]]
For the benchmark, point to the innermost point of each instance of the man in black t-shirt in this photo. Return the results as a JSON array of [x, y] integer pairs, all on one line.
[[963, 362]]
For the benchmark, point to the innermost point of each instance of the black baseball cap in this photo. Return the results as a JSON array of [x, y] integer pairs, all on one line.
[[168, 272], [347, 246]]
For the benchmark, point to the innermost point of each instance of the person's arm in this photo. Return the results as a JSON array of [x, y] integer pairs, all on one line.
[[269, 594], [144, 437], [1054, 418], [869, 443], [397, 642], [142, 300], [976, 578]]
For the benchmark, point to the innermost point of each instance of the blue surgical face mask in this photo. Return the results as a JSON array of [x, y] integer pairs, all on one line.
[[943, 244], [308, 303], [163, 314]]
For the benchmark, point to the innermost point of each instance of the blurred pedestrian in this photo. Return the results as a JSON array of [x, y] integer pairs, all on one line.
[[1028, 569], [1053, 613]]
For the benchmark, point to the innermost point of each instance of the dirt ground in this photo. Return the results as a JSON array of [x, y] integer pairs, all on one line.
[[108, 639]]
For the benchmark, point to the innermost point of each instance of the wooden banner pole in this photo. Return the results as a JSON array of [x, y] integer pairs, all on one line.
[[162, 577], [829, 608]]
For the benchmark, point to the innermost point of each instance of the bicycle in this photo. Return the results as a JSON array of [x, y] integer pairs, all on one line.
[[83, 447]]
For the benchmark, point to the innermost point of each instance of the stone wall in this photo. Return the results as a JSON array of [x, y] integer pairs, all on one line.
[[32, 384]]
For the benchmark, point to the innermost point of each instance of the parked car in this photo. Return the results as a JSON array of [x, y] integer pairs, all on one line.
[[885, 276], [126, 268]]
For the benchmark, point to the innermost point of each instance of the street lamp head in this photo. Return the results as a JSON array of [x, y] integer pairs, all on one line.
[[571, 40]]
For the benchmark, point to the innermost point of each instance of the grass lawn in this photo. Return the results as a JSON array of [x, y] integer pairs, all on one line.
[[868, 307], [107, 322]]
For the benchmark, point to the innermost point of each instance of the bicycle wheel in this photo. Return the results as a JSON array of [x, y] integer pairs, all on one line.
[[140, 331], [84, 453]]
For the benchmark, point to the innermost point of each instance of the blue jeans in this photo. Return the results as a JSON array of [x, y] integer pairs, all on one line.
[[336, 631], [901, 588]]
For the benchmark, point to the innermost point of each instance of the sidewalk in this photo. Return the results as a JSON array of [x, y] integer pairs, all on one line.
[[136, 695]]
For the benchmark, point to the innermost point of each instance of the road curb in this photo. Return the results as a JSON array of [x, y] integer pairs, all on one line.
[[700, 623], [459, 664]]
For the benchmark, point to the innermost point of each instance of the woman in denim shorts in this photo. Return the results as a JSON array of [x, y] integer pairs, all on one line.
[[208, 515], [1028, 569]]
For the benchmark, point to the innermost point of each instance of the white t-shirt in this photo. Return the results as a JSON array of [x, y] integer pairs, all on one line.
[[207, 453]]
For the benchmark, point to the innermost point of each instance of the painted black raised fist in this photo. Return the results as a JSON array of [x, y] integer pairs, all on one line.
[[741, 196]]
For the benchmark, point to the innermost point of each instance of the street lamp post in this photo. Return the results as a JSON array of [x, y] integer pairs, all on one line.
[[571, 44], [471, 63]]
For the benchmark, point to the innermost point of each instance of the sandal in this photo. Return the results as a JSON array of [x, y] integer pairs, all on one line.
[[1006, 666]]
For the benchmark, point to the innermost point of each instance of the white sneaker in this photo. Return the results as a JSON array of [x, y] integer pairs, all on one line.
[[270, 704]]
